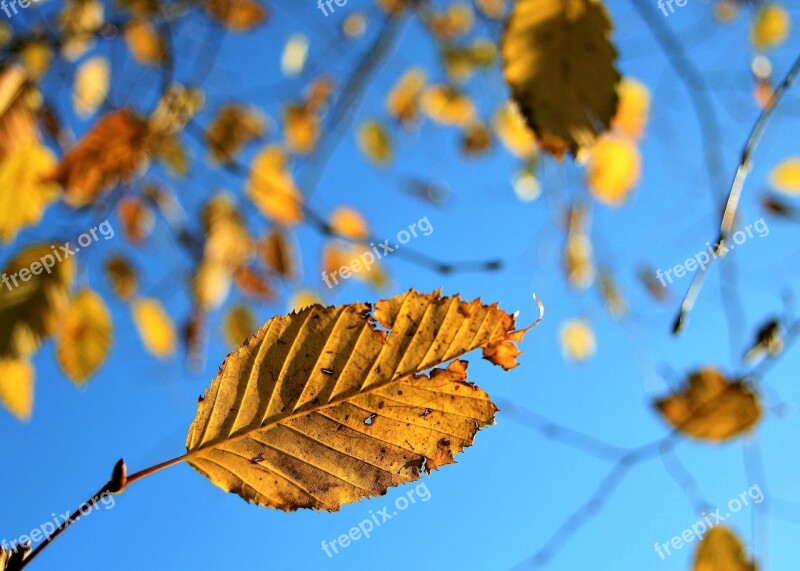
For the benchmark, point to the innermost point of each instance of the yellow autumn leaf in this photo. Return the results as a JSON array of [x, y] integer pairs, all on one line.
[[320, 409], [510, 128], [492, 9], [144, 43], [272, 188], [770, 26], [633, 108], [613, 169], [34, 294], [24, 196], [721, 550], [92, 81], [476, 139], [36, 58], [448, 106], [16, 387], [577, 340], [156, 329], [238, 325], [375, 143], [350, 223], [85, 337], [20, 106], [211, 284], [559, 63], [785, 177], [711, 407]]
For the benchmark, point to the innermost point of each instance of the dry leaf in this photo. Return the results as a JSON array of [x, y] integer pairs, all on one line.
[[448, 106], [402, 103], [277, 254], [710, 407], [721, 550], [145, 44], [301, 128], [137, 218], [85, 337], [237, 15], [121, 277], [322, 408], [113, 150], [559, 64], [348, 222], [20, 103], [156, 329]]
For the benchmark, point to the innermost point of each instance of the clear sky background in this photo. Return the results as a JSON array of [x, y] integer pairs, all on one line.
[[511, 491]]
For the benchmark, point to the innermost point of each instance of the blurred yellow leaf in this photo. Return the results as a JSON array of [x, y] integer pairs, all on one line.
[[447, 105], [301, 128], [237, 15], [402, 103], [91, 85], [492, 9], [232, 129], [721, 550], [24, 196], [476, 139], [144, 43], [211, 284], [710, 407], [272, 189], [375, 143], [613, 169], [456, 20], [350, 223], [578, 250], [633, 108], [16, 387], [277, 255], [121, 277], [770, 26], [238, 326], [512, 131], [137, 218], [785, 177], [85, 337], [36, 58], [559, 64], [33, 297], [577, 340], [303, 299], [156, 329]]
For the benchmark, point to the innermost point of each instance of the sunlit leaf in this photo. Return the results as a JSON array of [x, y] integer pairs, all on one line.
[[237, 15], [633, 108], [559, 63], [402, 103], [121, 277], [476, 140], [232, 129], [266, 429], [137, 218], [277, 254], [350, 223], [144, 43], [512, 131], [294, 56], [447, 105], [301, 128]]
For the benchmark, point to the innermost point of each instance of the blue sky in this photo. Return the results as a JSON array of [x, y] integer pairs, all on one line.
[[510, 492]]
